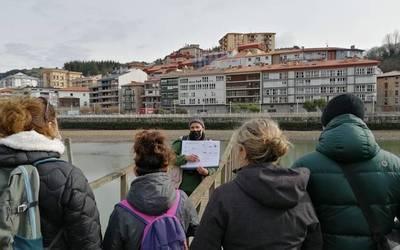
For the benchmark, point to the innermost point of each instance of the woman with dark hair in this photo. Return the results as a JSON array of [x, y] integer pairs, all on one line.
[[29, 135], [152, 193]]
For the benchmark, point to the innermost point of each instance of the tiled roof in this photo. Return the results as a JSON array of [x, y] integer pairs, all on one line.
[[391, 73], [75, 89]]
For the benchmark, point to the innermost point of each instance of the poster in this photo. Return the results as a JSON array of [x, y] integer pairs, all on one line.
[[207, 151]]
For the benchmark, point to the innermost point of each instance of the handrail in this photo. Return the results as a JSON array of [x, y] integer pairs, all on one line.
[[122, 174]]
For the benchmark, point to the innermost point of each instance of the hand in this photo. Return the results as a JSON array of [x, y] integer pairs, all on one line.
[[192, 158], [203, 171]]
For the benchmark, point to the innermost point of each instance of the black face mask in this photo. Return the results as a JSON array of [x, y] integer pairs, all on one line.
[[195, 135]]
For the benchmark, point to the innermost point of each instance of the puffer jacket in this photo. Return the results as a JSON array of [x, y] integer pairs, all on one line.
[[264, 207], [66, 201], [347, 142], [151, 194]]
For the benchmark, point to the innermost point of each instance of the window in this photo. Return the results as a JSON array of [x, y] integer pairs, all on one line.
[[386, 85], [193, 94], [184, 80], [204, 78], [396, 92], [71, 94], [192, 87], [220, 78], [283, 75], [299, 74], [212, 86], [370, 71], [184, 87], [370, 88], [360, 71]]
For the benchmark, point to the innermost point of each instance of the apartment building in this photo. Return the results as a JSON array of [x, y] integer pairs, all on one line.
[[19, 80], [87, 81], [151, 97], [131, 97], [106, 94], [286, 87], [315, 54], [59, 78], [169, 91], [232, 41], [388, 88], [202, 92]]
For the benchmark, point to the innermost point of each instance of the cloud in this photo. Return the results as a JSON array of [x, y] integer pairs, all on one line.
[[22, 55]]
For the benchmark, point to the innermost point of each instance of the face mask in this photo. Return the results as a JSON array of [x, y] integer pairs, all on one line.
[[195, 135]]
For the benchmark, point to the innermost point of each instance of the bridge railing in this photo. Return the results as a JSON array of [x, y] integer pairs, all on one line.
[[200, 195]]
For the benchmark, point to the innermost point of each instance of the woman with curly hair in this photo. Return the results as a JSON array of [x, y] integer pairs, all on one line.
[[151, 194]]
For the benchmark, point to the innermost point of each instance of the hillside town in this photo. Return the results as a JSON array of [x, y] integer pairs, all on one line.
[[245, 73]]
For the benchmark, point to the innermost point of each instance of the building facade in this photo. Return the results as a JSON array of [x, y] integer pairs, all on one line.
[[71, 100], [59, 78], [169, 92], [203, 93], [232, 41], [388, 88], [87, 81], [19, 80], [285, 88], [106, 94], [131, 97], [151, 95]]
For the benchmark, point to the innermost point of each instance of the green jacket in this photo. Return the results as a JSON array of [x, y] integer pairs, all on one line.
[[190, 178], [347, 142]]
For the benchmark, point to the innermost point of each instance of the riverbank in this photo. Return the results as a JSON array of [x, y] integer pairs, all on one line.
[[127, 135]]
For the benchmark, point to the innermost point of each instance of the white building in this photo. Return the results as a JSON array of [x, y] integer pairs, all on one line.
[[242, 61], [78, 96], [286, 87], [204, 92], [19, 80]]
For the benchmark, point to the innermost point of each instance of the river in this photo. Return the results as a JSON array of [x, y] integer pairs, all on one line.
[[97, 159]]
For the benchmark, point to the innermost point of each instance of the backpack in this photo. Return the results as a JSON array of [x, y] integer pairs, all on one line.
[[163, 232], [19, 207]]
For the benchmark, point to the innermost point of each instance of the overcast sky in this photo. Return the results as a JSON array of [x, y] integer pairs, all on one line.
[[47, 33]]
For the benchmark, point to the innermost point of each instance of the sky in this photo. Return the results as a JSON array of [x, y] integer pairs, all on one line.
[[48, 33]]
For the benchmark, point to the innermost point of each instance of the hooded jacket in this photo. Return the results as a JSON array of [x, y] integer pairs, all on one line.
[[347, 142], [265, 207], [66, 201], [152, 194]]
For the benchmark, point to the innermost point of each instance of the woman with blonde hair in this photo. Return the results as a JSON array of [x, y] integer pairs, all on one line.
[[29, 135], [266, 206]]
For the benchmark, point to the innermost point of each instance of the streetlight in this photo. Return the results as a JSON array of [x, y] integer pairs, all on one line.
[[204, 100], [230, 107]]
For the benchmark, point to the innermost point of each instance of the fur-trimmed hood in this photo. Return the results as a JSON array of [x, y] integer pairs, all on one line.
[[33, 141]]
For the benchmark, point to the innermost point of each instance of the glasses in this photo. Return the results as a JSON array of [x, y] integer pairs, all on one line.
[[46, 111]]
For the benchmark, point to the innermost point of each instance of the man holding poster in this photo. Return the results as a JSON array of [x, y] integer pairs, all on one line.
[[192, 170]]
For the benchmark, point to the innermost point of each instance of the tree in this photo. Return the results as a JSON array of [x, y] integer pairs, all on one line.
[[310, 106], [388, 53], [320, 103]]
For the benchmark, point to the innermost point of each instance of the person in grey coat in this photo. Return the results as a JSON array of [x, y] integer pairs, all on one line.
[[266, 206], [152, 193]]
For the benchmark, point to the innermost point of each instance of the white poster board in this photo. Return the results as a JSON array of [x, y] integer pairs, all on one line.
[[207, 151]]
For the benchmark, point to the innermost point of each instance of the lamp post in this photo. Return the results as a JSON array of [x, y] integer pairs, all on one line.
[[230, 107]]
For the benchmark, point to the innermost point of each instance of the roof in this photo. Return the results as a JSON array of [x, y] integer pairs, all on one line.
[[388, 74], [318, 49], [74, 89], [276, 67]]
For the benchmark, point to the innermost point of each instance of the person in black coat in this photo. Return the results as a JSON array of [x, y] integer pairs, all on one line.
[[266, 206], [68, 214]]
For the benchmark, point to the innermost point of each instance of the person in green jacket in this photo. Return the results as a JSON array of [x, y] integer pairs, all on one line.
[[191, 178], [347, 142]]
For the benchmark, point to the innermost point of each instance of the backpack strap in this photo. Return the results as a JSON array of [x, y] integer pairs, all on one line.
[[172, 210], [148, 219], [51, 159], [375, 227]]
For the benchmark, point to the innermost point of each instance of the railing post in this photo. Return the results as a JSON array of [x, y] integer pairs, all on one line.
[[67, 143], [123, 186], [223, 174]]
